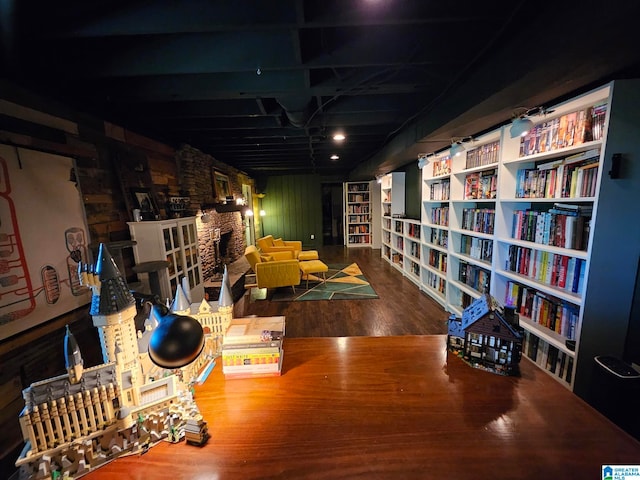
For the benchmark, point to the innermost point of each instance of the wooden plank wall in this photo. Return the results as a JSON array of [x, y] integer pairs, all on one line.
[[97, 147]]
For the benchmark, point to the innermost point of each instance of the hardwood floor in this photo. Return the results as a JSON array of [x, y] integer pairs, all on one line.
[[402, 308]]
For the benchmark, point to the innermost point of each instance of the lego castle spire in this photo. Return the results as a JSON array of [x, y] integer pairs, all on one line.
[[226, 298], [73, 358]]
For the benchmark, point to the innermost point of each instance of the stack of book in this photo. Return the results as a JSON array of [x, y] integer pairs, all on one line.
[[196, 431], [252, 347]]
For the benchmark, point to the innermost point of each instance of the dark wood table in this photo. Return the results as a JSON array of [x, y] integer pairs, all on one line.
[[387, 408]]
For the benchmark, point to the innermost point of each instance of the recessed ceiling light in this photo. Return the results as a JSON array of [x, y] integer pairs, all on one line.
[[339, 137], [334, 157]]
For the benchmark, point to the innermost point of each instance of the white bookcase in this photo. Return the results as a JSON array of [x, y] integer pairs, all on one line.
[[358, 199], [495, 218], [436, 195], [176, 242], [392, 200]]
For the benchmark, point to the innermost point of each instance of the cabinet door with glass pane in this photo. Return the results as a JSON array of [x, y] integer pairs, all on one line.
[[176, 242]]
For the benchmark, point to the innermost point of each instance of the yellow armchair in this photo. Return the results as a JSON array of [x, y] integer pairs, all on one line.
[[278, 269], [268, 244]]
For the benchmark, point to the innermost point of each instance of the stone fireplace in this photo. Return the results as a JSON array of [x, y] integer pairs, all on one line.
[[220, 241]]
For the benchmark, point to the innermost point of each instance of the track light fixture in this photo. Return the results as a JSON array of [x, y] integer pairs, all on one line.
[[457, 146], [520, 126], [423, 159], [456, 149], [521, 123]]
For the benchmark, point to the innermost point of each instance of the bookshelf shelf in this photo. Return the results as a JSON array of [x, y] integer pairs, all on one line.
[[546, 334], [566, 159], [358, 225]]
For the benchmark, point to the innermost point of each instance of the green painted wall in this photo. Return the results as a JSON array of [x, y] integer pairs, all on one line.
[[293, 207]]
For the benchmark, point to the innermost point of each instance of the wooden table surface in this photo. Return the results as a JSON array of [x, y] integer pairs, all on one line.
[[387, 408]]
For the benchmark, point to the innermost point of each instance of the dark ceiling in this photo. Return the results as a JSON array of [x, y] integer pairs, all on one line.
[[263, 85]]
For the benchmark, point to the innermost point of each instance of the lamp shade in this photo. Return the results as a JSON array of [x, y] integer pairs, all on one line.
[[520, 127], [456, 149]]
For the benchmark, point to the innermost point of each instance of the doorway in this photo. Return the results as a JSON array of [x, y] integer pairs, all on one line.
[[332, 214]]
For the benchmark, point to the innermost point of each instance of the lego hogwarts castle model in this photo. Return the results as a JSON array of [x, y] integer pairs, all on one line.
[[77, 422], [487, 336]]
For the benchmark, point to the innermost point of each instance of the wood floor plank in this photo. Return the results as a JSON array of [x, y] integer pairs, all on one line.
[[402, 308]]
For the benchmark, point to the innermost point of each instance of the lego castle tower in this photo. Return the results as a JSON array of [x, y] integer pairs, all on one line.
[[113, 309]]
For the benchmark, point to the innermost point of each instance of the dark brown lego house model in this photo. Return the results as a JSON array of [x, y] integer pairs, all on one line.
[[486, 337]]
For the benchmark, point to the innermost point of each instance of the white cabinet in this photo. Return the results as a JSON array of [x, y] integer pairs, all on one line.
[[176, 242]]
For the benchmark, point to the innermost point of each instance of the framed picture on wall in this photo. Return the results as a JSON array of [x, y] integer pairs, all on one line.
[[143, 200], [221, 186]]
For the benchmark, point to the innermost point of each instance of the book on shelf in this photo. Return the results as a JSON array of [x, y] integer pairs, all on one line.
[[571, 129], [559, 227], [545, 310], [481, 185], [548, 357], [573, 176], [442, 166], [483, 155]]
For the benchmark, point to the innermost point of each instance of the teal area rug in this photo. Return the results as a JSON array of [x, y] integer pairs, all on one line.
[[344, 282]]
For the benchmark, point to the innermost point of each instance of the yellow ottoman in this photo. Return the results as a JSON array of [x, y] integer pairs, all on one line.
[[308, 255], [313, 266]]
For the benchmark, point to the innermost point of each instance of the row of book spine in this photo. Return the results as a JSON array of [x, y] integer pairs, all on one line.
[[414, 249], [553, 269], [358, 187], [436, 282], [478, 219], [359, 228], [556, 227], [361, 238], [440, 191], [572, 180], [359, 219], [414, 268], [440, 216], [358, 197], [483, 155], [481, 185], [545, 310], [413, 230], [358, 209], [438, 260], [474, 276], [439, 237], [478, 248], [548, 357], [568, 130]]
